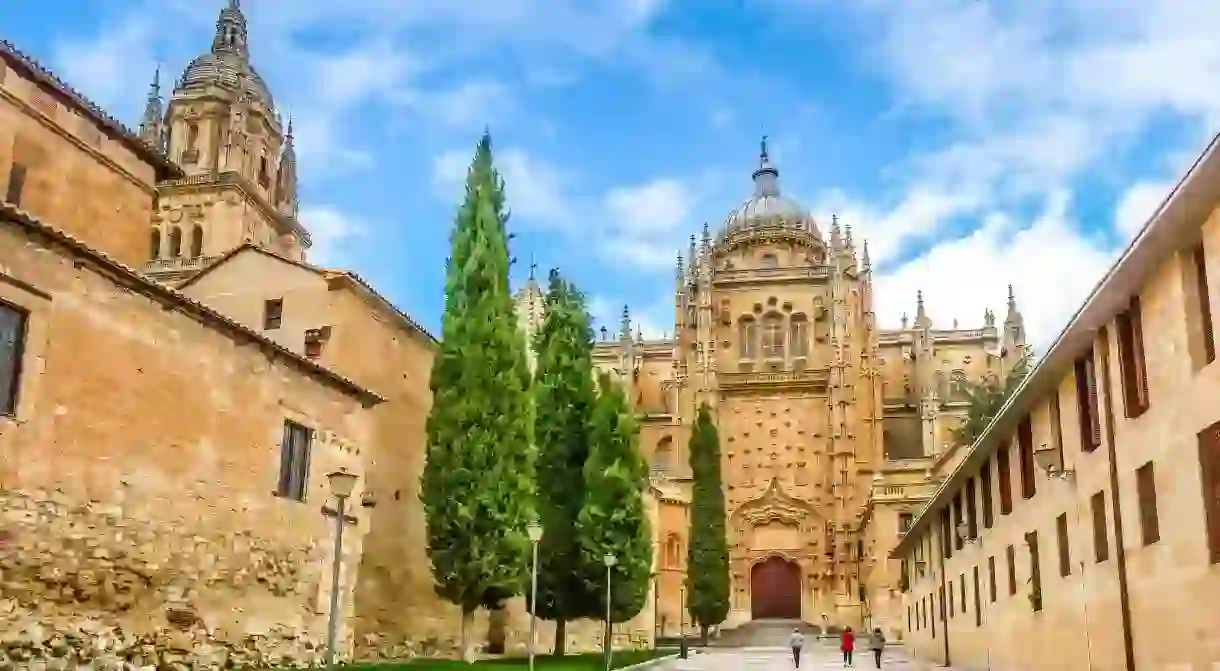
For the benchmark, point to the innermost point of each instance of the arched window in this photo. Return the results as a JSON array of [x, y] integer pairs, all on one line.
[[773, 337], [175, 242], [799, 336], [192, 135], [673, 552], [663, 458], [749, 338], [959, 386], [942, 385], [197, 242], [155, 243]]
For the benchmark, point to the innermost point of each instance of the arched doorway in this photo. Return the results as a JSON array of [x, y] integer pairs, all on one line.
[[775, 589]]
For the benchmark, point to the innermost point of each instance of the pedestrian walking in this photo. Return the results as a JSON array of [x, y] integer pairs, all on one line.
[[848, 645], [878, 644], [797, 640]]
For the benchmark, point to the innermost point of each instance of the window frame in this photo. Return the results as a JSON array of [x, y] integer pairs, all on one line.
[[10, 405]]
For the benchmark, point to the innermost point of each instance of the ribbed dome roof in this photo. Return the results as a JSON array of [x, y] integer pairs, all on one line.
[[767, 205], [228, 63]]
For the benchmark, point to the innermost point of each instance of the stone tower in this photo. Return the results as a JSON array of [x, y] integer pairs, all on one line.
[[222, 127]]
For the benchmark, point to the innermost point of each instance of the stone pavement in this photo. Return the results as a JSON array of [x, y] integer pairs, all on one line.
[[816, 656]]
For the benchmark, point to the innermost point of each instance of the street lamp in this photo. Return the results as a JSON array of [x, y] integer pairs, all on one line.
[[535, 533], [609, 560], [341, 485]]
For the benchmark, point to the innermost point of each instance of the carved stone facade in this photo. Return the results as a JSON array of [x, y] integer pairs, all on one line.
[[830, 426]]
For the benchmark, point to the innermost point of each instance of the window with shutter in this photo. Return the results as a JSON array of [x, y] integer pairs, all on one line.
[[1056, 427], [1065, 552], [985, 484], [12, 346], [1005, 472], [16, 184], [1025, 456], [1203, 307], [1011, 553], [1101, 541], [1145, 488], [991, 578], [978, 600], [1086, 402], [958, 541], [1035, 571], [294, 461], [972, 520], [1131, 360], [1209, 465]]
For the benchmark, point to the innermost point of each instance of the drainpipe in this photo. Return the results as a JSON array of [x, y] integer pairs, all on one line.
[[1124, 597]]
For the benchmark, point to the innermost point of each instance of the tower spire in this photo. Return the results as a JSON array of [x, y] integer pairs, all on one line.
[[153, 121], [766, 178], [231, 33]]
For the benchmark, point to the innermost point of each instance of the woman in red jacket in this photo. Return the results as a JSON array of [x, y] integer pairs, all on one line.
[[848, 646]]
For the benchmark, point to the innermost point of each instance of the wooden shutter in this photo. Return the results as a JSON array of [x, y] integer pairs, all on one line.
[[1025, 456], [1101, 542], [16, 184], [1145, 487], [1205, 306], [1065, 552], [1035, 570], [1209, 465], [1131, 360], [991, 578], [1011, 553], [978, 600], [972, 518], [1086, 402], [985, 483], [1005, 478]]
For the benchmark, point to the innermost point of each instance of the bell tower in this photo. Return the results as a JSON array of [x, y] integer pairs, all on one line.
[[221, 125]]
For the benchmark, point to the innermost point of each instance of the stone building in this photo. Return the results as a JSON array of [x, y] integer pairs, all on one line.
[[1082, 529], [831, 427], [154, 488]]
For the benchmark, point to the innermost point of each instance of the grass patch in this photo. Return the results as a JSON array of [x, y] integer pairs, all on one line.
[[585, 662]]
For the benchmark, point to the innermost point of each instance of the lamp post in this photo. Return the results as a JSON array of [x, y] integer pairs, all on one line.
[[682, 620], [609, 560], [341, 485], [535, 533]]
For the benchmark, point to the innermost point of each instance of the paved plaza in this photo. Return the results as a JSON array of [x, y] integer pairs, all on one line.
[[817, 655]]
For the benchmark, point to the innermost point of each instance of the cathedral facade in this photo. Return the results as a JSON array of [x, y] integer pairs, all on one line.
[[833, 430]]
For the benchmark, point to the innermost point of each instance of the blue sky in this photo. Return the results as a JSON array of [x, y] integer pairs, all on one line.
[[974, 143]]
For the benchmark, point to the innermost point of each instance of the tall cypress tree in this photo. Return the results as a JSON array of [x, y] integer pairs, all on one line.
[[564, 396], [614, 519], [478, 483], [707, 563]]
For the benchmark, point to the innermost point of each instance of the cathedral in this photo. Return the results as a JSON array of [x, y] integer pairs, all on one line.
[[833, 430]]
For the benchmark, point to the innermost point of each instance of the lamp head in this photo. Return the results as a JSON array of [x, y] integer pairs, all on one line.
[[342, 483], [535, 531], [609, 560]]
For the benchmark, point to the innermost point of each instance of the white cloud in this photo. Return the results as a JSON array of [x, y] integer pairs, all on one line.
[[534, 189], [1137, 205], [114, 68], [333, 233], [645, 219], [1050, 263]]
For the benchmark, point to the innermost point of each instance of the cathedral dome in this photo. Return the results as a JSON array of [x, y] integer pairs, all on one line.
[[767, 206], [228, 63]]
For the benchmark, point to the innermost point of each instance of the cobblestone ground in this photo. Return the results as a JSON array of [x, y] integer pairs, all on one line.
[[816, 656]]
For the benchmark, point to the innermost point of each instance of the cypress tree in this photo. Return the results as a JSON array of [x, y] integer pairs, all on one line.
[[707, 563], [564, 396], [478, 482], [614, 519]]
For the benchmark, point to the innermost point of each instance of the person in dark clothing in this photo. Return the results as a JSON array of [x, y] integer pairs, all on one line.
[[798, 641], [878, 644]]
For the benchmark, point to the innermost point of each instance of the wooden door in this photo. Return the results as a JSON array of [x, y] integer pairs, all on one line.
[[775, 590]]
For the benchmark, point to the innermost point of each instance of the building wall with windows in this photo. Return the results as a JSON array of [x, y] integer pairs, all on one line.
[[1090, 509], [49, 135], [164, 468]]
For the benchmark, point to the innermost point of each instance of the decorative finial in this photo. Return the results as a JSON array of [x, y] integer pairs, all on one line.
[[604, 332], [1012, 299], [905, 320], [533, 266], [919, 298], [763, 152], [625, 326], [865, 258]]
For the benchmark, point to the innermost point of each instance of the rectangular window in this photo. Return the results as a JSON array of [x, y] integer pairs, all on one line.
[[946, 534], [16, 184], [1199, 308], [1145, 489], [1035, 570], [1012, 570], [1131, 362], [1005, 470], [950, 599], [294, 461], [985, 484], [991, 578], [1065, 550], [958, 541], [1057, 429], [1101, 542], [961, 581], [12, 345], [273, 313], [1209, 465], [1086, 402], [1025, 457], [908, 619], [972, 517], [978, 600]]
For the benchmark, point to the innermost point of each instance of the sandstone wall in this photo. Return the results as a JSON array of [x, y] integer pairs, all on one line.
[[138, 474]]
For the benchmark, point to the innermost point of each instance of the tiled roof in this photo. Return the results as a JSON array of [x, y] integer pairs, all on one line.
[[166, 169], [189, 306]]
